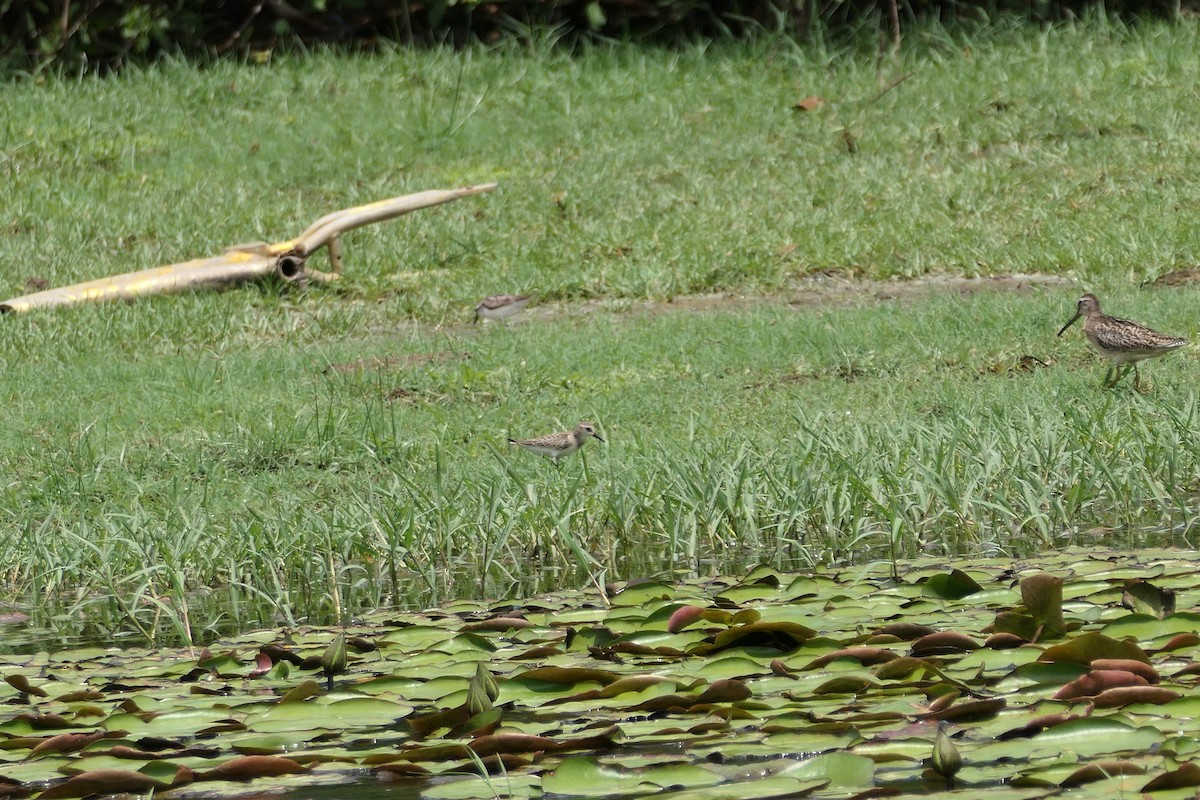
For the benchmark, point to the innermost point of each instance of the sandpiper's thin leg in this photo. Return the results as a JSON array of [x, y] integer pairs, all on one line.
[[1108, 378], [1137, 379], [1122, 371]]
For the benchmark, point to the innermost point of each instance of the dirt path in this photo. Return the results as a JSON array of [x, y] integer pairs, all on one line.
[[821, 290]]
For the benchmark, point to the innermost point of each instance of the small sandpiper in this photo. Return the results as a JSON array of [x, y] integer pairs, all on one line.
[[1123, 342], [500, 306], [556, 445]]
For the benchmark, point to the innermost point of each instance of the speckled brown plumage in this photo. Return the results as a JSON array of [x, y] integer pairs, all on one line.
[[556, 445], [1119, 340]]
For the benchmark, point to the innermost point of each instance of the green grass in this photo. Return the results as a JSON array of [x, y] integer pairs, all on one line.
[[196, 462]]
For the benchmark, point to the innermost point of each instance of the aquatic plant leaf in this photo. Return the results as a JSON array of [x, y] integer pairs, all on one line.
[[1042, 595], [840, 769], [1141, 668], [426, 724], [746, 616], [1005, 640], [863, 655], [729, 666], [565, 676], [736, 596], [1142, 597], [1017, 623], [1044, 672], [21, 684], [638, 594], [1096, 735], [1088, 647], [1128, 695], [414, 638], [184, 722], [683, 617], [1181, 641], [905, 631], [727, 690], [971, 710], [245, 768], [778, 635], [269, 744], [524, 743], [845, 684], [70, 742], [301, 692], [1097, 681], [497, 624], [325, 713], [902, 667], [719, 616], [223, 665], [1101, 770], [778, 787], [585, 777], [942, 643], [108, 781], [1037, 724], [480, 724], [1186, 776], [1147, 628], [476, 788], [953, 585]]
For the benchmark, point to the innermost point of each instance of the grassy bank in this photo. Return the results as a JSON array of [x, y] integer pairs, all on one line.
[[229, 459]]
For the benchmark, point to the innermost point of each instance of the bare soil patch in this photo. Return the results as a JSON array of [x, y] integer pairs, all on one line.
[[819, 290]]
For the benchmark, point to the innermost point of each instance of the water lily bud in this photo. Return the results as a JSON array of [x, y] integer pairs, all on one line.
[[333, 660], [481, 691], [946, 759]]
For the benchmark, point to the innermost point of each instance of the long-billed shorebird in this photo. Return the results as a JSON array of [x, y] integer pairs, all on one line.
[[1120, 341], [500, 306], [556, 445]]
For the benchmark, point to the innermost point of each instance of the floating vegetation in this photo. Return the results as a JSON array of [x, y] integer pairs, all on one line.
[[1019, 679]]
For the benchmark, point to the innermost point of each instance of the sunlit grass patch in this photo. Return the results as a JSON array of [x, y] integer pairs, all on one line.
[[208, 460]]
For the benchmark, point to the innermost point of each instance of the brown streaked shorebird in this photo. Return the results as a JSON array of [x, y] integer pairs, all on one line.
[[1120, 341], [500, 306], [556, 445]]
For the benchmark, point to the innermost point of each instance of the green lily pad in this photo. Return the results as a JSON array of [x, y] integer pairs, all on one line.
[[584, 777]]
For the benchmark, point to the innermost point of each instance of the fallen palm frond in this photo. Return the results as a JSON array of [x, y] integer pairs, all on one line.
[[286, 260]]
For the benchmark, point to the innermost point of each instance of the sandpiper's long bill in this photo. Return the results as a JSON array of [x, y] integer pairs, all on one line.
[[1122, 342], [556, 445], [500, 306]]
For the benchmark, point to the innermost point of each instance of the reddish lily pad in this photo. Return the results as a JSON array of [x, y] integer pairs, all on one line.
[[1186, 776], [112, 781], [1101, 770], [1098, 681]]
